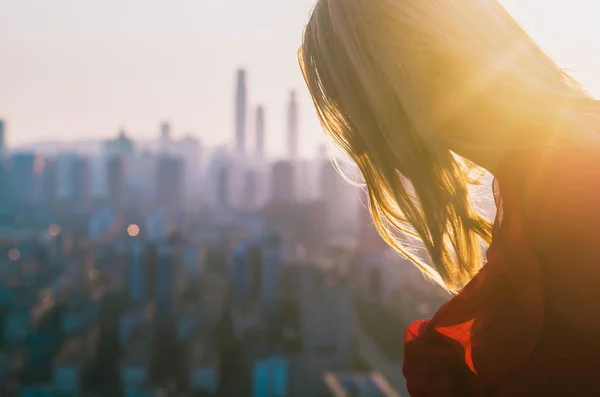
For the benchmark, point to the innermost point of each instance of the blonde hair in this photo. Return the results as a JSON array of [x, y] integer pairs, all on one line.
[[397, 83]]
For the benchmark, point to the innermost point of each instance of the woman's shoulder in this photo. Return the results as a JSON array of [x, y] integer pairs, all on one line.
[[554, 190], [551, 171], [551, 198]]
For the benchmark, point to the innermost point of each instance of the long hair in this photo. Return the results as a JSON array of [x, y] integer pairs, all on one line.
[[397, 83]]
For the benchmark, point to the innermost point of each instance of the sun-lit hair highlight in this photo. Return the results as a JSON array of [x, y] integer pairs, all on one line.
[[395, 83]]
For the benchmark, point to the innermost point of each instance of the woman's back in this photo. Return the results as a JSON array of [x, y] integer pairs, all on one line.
[[561, 220], [528, 323]]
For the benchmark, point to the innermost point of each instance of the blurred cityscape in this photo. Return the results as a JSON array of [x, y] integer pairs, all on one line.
[[165, 268]]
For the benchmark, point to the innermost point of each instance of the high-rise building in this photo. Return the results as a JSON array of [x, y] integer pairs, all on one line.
[[260, 132], [223, 178], [283, 182], [250, 190], [238, 272], [240, 112], [6, 212], [270, 377], [293, 126], [328, 330], [165, 138], [120, 146], [115, 179], [150, 260], [136, 272], [81, 183], [270, 275], [336, 197], [2, 136], [238, 166], [165, 280], [219, 180], [39, 352], [67, 374], [192, 261], [141, 179], [25, 177], [190, 150], [73, 177], [306, 180], [99, 179], [49, 184], [203, 378], [254, 267], [101, 223], [165, 131], [169, 182]]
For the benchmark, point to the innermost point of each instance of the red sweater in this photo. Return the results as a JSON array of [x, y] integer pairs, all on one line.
[[529, 323]]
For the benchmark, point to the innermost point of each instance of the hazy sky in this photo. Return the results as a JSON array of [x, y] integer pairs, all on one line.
[[71, 69]]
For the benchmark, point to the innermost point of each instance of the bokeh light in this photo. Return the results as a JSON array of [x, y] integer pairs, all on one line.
[[133, 230], [54, 230], [14, 254]]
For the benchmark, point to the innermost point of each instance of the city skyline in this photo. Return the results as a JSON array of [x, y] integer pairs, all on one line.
[[66, 75], [140, 257]]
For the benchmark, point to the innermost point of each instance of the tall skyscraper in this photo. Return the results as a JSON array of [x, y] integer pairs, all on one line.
[[293, 126], [283, 182], [115, 175], [2, 136], [270, 275], [73, 177], [219, 180], [136, 272], [190, 150], [335, 197], [165, 280], [25, 178], [328, 327], [169, 183], [238, 272], [48, 184], [250, 190], [119, 146], [260, 132], [165, 131], [165, 137], [81, 183], [5, 190], [240, 112], [150, 264], [254, 266], [99, 179], [270, 377], [223, 177]]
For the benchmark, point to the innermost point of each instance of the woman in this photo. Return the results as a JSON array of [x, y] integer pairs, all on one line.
[[423, 95]]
